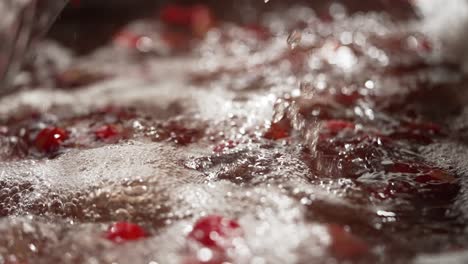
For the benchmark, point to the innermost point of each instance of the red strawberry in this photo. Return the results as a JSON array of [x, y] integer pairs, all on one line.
[[49, 139], [123, 231], [215, 231]]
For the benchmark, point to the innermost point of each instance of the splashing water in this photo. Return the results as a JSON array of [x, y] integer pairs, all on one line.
[[21, 24], [307, 129]]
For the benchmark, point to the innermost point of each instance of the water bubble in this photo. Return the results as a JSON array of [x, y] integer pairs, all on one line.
[[144, 44], [122, 214], [204, 254], [33, 247], [305, 201], [369, 84], [294, 39], [346, 38], [135, 188], [138, 126], [55, 206], [14, 190], [337, 11], [344, 58], [70, 209]]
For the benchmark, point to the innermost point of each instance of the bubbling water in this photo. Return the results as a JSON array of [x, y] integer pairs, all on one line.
[[182, 151]]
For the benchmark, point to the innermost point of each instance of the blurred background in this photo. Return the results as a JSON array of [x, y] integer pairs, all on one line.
[[85, 24]]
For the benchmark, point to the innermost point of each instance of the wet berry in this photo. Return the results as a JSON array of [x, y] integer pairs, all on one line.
[[215, 231], [176, 15], [278, 131], [106, 132], [345, 245], [202, 20], [198, 18], [123, 231], [175, 40], [49, 139], [348, 99], [127, 39]]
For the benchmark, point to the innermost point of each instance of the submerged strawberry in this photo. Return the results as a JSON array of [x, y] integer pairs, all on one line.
[[198, 18], [202, 20], [127, 39], [123, 231], [106, 132], [345, 245], [176, 15], [278, 130], [49, 139], [215, 231]]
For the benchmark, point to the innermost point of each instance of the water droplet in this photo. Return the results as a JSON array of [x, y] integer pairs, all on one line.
[[294, 39]]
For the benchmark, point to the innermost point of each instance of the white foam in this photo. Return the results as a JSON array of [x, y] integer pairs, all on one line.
[[81, 169], [165, 87]]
